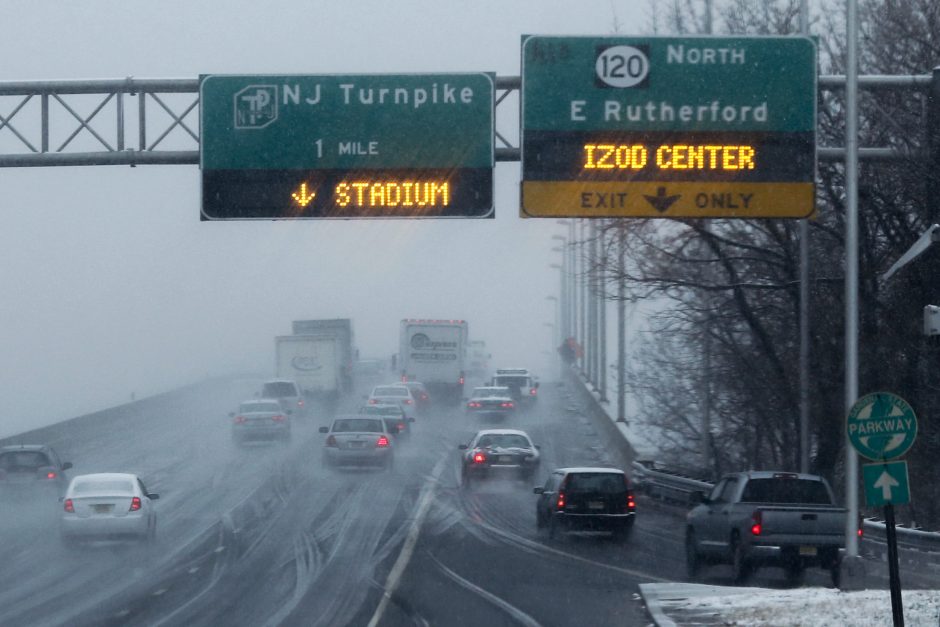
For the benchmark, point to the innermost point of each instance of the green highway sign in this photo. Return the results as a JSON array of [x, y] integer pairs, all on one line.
[[346, 146], [881, 426], [668, 126], [885, 483]]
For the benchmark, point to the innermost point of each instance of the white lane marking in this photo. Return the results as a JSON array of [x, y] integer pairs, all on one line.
[[193, 570], [517, 614], [122, 613], [394, 576], [218, 549], [159, 592]]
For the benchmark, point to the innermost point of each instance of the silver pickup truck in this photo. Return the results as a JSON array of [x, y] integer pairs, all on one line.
[[766, 518]]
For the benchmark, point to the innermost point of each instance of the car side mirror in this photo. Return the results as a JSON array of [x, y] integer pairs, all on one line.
[[538, 490], [66, 465], [462, 447], [411, 419], [697, 497], [466, 398], [537, 384], [324, 429], [538, 447], [231, 414], [153, 497]]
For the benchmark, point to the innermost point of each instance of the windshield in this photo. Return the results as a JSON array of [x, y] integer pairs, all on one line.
[[491, 393], [785, 491], [102, 486], [360, 425], [390, 391], [23, 461], [259, 407], [620, 227], [503, 440], [512, 381], [279, 389], [603, 483]]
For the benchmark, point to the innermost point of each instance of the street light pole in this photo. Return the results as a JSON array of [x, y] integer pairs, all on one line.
[[621, 327], [602, 323]]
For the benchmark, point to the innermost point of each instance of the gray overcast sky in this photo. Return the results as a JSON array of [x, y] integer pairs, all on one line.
[[112, 285]]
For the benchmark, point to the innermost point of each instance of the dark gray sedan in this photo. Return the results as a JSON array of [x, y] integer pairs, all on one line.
[[491, 402], [493, 452]]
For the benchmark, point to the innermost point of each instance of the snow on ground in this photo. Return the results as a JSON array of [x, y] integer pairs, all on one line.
[[692, 604]]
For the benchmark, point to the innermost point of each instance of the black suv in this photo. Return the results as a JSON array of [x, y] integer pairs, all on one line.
[[586, 499], [26, 469]]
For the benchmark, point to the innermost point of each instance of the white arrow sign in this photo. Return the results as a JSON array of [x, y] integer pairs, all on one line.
[[886, 482]]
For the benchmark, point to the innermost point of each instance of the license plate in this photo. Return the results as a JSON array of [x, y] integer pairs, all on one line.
[[102, 509], [596, 505], [808, 550], [505, 459], [357, 444]]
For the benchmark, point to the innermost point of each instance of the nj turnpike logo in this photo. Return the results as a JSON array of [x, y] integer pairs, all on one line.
[[255, 106]]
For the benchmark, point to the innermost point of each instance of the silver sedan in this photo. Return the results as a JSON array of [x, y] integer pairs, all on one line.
[[108, 506], [358, 440]]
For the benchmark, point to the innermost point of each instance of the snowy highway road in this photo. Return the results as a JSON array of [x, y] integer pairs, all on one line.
[[265, 535]]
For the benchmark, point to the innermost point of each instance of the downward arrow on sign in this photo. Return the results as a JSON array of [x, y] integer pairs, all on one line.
[[886, 482]]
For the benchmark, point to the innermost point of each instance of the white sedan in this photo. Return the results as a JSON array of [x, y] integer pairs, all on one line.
[[108, 506]]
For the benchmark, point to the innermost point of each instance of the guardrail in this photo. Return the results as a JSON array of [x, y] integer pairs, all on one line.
[[676, 485], [668, 484]]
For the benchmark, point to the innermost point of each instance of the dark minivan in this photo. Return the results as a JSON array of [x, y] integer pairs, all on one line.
[[586, 499]]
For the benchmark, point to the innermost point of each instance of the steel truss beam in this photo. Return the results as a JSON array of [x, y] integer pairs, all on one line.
[[37, 130]]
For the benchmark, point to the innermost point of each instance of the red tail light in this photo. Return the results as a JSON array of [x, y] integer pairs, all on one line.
[[401, 426], [239, 420], [473, 404], [331, 441], [756, 520], [408, 401], [69, 507], [300, 402], [479, 458], [277, 418], [860, 532], [532, 392], [373, 401], [460, 380], [50, 475], [424, 397], [505, 404], [404, 378], [631, 502], [560, 504], [382, 442], [135, 504]]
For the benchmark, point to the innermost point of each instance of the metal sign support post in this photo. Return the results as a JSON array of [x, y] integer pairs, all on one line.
[[897, 608], [851, 268]]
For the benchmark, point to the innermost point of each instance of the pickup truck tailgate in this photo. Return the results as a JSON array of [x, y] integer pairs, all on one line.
[[810, 525]]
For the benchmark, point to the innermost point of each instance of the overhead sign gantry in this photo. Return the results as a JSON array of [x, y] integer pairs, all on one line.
[[699, 127], [346, 146]]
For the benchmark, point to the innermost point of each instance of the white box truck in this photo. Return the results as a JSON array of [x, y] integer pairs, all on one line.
[[311, 361], [342, 332], [434, 352]]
